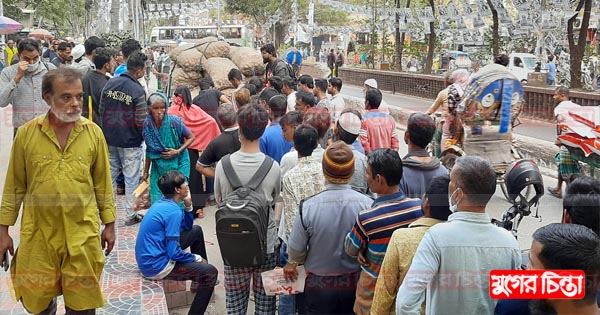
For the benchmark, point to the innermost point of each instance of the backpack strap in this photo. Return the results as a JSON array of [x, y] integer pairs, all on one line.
[[301, 217], [232, 177], [261, 173]]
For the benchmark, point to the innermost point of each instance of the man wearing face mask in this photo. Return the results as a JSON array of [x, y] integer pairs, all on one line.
[[454, 259], [21, 84], [58, 173], [122, 113]]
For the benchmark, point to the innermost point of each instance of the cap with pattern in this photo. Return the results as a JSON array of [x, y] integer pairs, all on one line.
[[338, 163], [350, 123], [371, 82]]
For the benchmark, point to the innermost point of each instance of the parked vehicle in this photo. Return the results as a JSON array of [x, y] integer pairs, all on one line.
[[521, 64]]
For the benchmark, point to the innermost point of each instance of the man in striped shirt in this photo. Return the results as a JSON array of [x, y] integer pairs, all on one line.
[[370, 235]]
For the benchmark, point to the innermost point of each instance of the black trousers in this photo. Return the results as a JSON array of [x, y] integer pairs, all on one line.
[[197, 189], [329, 294]]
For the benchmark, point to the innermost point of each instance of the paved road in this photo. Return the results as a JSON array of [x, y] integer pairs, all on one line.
[[531, 128]]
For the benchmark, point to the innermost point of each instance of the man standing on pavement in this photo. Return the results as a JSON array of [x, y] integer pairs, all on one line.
[[9, 52], [275, 66], [372, 84], [339, 61], [272, 142], [123, 111], [347, 129], [378, 129], [209, 99], [336, 103], [21, 84], [64, 55], [551, 79], [419, 167], [369, 237], [94, 82], [59, 162], [252, 120], [50, 53], [331, 63], [404, 243], [466, 249], [129, 47], [87, 63], [302, 181], [319, 230], [320, 92], [288, 90], [568, 168]]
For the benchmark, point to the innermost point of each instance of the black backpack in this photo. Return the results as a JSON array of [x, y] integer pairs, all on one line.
[[243, 218]]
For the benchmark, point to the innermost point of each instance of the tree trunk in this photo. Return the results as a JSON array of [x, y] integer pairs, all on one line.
[[495, 30], [115, 7], [577, 50], [431, 47], [400, 39]]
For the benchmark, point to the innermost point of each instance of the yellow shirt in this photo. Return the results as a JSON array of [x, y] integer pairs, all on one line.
[[398, 257], [63, 195]]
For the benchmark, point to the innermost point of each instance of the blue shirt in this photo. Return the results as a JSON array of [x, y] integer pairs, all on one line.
[[551, 71], [328, 217], [158, 238], [122, 68], [273, 144], [453, 262]]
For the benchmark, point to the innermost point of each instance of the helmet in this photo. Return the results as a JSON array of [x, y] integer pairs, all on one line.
[[524, 183]]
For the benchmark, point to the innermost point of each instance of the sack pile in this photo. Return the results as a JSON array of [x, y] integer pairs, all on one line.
[[214, 58]]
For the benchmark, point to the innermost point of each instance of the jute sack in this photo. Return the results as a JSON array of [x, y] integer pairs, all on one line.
[[218, 68], [190, 60], [177, 51], [248, 60], [214, 49], [187, 78]]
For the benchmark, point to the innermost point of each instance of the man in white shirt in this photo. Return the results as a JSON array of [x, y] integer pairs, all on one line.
[[288, 90], [336, 103]]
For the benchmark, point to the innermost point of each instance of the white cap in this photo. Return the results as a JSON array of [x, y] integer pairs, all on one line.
[[78, 51], [371, 82]]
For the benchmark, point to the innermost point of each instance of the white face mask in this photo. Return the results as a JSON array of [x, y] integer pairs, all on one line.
[[32, 67], [453, 207]]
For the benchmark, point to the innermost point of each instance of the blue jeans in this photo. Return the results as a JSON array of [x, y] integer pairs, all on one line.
[[287, 303], [130, 161]]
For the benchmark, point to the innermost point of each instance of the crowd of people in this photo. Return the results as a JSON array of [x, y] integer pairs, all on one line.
[[376, 233]]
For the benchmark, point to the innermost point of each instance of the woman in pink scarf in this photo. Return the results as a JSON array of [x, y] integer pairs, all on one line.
[[453, 127], [204, 128]]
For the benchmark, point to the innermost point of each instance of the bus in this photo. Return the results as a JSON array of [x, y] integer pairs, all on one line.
[[233, 34]]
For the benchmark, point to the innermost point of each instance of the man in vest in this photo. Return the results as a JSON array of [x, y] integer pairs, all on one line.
[[9, 52]]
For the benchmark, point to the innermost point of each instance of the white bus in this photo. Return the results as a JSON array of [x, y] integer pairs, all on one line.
[[234, 34]]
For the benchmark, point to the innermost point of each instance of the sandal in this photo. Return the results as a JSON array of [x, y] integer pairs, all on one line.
[[553, 192], [200, 213]]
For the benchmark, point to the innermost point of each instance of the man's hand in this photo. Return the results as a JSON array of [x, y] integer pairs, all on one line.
[[6, 242], [187, 200], [108, 238], [290, 272], [362, 260], [169, 154], [21, 70]]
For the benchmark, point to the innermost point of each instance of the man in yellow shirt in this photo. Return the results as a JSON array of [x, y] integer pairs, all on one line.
[[9, 52], [59, 172]]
